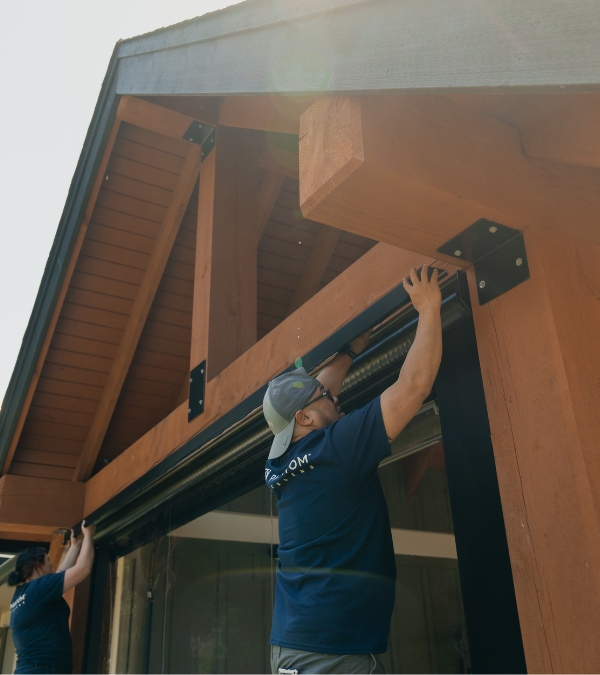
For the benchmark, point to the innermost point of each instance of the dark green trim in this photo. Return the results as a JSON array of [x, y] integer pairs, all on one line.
[[59, 257]]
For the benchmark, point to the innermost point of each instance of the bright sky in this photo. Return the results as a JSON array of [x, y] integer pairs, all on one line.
[[54, 56]]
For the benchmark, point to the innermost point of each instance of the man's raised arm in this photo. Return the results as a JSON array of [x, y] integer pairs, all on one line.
[[401, 402]]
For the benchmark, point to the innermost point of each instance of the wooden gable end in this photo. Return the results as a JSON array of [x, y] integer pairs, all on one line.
[[118, 356]]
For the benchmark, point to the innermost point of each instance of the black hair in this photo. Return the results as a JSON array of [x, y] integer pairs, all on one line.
[[27, 561]]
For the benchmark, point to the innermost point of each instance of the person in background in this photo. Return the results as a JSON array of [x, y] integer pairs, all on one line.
[[336, 572], [39, 615]]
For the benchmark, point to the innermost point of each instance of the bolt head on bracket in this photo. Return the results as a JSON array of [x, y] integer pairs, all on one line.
[[201, 134]]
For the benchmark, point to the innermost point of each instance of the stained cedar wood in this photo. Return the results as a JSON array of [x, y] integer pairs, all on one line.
[[105, 276], [552, 127], [390, 172], [538, 350], [59, 302], [315, 267], [232, 316], [157, 262], [372, 275], [268, 192], [45, 502], [267, 113]]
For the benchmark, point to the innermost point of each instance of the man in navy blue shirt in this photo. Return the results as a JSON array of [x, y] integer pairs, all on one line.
[[336, 572]]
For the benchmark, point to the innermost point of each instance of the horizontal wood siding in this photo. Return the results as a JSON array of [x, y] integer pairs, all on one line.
[[140, 178], [141, 174]]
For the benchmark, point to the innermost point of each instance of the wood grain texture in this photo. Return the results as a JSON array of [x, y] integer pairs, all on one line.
[[281, 161], [431, 168], [139, 313], [317, 263], [561, 128], [268, 192], [61, 297], [538, 351], [155, 118], [37, 504], [500, 46], [377, 272], [266, 113], [224, 321]]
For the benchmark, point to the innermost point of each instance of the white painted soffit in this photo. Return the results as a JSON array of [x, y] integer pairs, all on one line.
[[256, 529]]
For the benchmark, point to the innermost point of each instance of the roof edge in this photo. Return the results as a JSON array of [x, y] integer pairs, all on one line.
[[247, 15]]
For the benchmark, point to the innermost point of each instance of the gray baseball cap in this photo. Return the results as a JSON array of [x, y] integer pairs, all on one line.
[[285, 395]]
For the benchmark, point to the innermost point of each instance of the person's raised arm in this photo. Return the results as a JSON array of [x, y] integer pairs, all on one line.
[[401, 402], [333, 374], [72, 553], [83, 565]]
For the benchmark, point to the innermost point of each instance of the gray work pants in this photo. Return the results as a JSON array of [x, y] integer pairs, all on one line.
[[285, 660]]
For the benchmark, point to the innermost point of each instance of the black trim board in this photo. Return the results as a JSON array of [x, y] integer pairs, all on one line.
[[483, 557]]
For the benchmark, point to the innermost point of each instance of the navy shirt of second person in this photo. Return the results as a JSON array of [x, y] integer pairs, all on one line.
[[39, 620], [336, 572]]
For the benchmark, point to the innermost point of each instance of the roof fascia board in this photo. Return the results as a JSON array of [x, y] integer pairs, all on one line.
[[382, 46], [249, 15], [59, 256]]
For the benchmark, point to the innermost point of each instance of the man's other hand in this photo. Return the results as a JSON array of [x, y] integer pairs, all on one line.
[[425, 294]]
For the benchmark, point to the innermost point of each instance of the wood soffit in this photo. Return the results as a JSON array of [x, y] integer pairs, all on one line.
[[134, 190], [142, 170]]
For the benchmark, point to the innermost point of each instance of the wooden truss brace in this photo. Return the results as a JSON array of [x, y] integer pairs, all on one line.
[[137, 319], [267, 196]]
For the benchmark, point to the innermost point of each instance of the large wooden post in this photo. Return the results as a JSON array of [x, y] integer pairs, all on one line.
[[225, 296], [539, 347]]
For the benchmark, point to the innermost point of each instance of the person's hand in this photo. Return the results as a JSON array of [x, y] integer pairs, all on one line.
[[358, 345], [76, 541], [425, 295], [88, 531]]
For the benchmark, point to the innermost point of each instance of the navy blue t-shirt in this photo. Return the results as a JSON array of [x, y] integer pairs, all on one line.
[[39, 620], [336, 572]]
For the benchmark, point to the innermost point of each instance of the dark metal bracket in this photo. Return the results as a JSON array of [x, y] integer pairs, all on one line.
[[197, 385], [201, 134], [498, 254]]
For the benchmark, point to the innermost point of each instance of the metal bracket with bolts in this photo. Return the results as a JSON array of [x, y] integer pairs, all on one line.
[[497, 253], [197, 386]]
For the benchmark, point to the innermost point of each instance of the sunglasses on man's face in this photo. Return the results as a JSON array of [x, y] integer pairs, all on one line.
[[320, 396]]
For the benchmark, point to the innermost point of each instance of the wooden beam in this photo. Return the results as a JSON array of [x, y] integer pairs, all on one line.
[[561, 128], [414, 171], [265, 201], [139, 313], [154, 117], [538, 347], [63, 292], [371, 276], [280, 161], [316, 265], [38, 505], [225, 287], [265, 113], [26, 536]]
